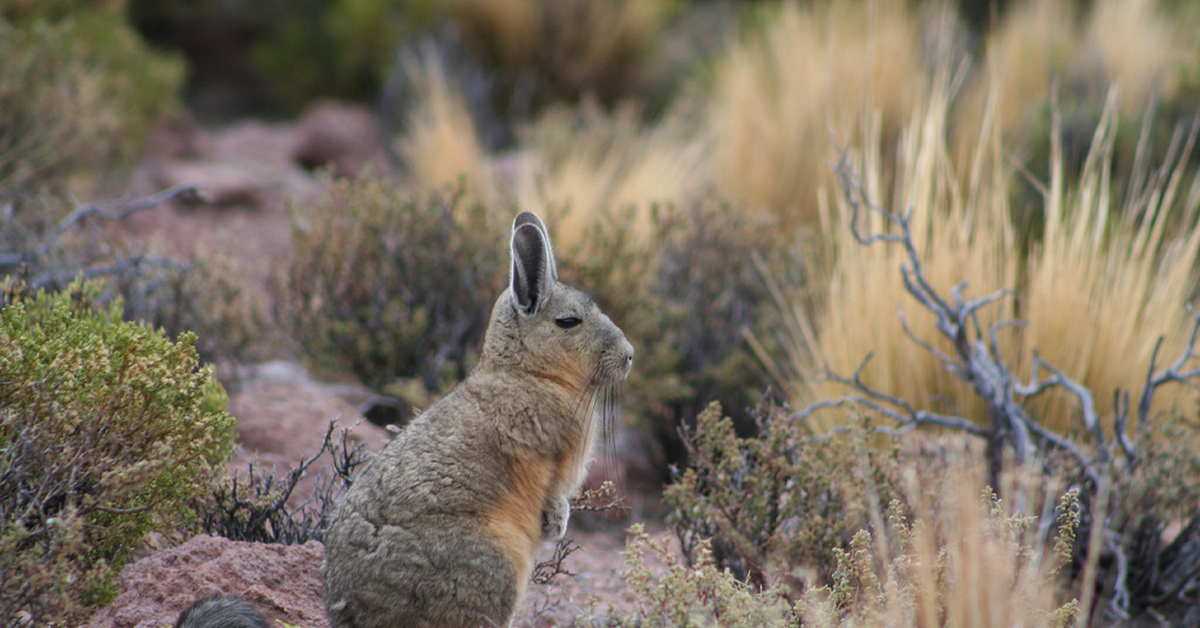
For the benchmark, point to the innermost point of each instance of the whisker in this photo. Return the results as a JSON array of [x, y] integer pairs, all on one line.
[[610, 418]]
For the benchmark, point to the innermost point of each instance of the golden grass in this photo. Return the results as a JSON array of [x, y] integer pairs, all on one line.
[[440, 145], [1029, 48], [805, 74], [963, 233], [1110, 276], [1137, 47], [1101, 284], [582, 165]]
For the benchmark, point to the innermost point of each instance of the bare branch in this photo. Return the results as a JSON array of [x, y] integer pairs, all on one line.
[[950, 362], [119, 210], [1088, 405], [890, 406], [1173, 374]]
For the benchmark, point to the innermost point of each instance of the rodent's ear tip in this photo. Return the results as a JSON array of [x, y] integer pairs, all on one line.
[[528, 218]]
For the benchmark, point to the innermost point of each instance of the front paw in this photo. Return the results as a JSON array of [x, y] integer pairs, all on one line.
[[554, 519]]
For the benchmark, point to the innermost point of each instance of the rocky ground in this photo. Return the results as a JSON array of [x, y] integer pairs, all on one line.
[[251, 172]]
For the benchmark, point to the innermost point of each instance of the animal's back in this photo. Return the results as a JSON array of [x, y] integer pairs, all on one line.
[[409, 547]]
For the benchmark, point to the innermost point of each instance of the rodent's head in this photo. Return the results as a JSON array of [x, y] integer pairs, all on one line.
[[546, 328]]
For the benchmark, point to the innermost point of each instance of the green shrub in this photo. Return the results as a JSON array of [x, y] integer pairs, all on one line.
[[107, 429], [684, 596], [335, 48], [209, 296], [77, 98], [393, 286], [779, 503]]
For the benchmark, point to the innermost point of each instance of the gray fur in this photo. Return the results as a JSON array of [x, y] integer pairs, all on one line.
[[442, 527], [220, 612]]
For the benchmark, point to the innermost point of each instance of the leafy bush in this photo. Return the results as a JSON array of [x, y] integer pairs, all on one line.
[[208, 296], [77, 97], [107, 429], [390, 285]]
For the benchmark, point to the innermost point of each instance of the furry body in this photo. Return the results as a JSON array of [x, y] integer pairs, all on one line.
[[442, 527]]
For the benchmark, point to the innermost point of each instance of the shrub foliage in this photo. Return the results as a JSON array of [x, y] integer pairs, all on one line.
[[77, 96], [107, 429], [392, 286], [762, 507]]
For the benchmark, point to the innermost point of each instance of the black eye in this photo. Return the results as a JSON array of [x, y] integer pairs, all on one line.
[[567, 323]]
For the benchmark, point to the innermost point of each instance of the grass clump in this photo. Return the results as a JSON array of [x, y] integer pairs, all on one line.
[[598, 165], [439, 144], [798, 72], [390, 285], [107, 429]]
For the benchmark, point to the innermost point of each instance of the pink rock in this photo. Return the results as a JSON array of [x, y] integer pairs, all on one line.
[[283, 582]]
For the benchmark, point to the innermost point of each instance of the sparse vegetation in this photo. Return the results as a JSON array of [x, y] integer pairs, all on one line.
[[966, 557], [262, 508]]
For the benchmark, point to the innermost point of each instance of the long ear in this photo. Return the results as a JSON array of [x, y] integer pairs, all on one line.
[[533, 272], [530, 218]]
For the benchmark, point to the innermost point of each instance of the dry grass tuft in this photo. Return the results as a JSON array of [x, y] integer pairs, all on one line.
[[440, 145], [967, 558], [944, 551], [1096, 288], [582, 165], [963, 232], [1132, 47], [801, 72], [1110, 275]]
